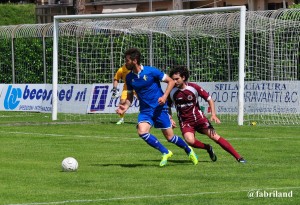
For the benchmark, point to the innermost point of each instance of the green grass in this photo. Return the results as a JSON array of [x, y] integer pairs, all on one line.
[[116, 167]]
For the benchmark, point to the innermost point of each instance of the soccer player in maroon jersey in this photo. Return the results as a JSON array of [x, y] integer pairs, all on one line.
[[185, 98]]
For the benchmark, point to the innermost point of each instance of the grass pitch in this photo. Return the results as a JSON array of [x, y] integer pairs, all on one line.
[[117, 167]]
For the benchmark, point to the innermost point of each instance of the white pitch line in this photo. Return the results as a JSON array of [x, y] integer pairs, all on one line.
[[78, 136], [137, 138], [264, 138], [148, 197]]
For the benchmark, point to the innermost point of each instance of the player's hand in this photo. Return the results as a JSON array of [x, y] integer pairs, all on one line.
[[115, 93], [215, 119], [173, 123], [121, 109], [162, 100]]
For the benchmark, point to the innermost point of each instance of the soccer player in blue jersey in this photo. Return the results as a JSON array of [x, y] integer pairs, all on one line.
[[145, 81]]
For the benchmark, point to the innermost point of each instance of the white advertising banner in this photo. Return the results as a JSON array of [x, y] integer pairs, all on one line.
[[71, 98], [260, 97], [38, 97]]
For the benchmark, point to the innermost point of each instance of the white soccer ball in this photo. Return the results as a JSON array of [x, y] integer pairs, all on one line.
[[69, 164]]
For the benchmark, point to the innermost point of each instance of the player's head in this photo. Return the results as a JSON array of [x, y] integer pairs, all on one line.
[[180, 74], [132, 57], [182, 71]]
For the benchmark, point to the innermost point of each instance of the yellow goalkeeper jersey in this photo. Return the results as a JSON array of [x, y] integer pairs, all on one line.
[[121, 74]]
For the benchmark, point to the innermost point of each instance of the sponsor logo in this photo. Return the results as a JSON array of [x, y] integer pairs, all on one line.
[[99, 98], [12, 96]]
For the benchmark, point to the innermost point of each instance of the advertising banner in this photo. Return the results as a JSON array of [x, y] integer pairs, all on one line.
[[269, 97], [259, 97], [38, 97]]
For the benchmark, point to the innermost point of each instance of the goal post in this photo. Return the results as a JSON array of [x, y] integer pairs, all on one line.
[[176, 28]]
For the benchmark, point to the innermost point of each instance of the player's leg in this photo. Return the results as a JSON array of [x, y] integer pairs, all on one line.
[[178, 141], [144, 133], [188, 132], [163, 122], [143, 129], [211, 133], [122, 102], [194, 142]]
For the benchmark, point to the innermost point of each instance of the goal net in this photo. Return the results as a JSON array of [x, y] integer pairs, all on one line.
[[88, 50]]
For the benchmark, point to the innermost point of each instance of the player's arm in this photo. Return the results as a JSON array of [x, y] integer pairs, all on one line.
[[213, 117], [115, 83], [170, 115], [203, 94], [122, 108], [115, 90], [162, 100]]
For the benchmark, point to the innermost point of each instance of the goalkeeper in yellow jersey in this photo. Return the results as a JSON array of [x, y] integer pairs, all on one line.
[[120, 74]]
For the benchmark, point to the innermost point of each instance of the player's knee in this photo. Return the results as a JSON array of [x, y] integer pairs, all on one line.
[[190, 141], [144, 136], [214, 136], [172, 138]]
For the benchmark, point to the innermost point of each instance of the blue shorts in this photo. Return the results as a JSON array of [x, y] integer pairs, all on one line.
[[158, 118]]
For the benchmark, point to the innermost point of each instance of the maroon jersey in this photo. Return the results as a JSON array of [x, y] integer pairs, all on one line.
[[187, 104]]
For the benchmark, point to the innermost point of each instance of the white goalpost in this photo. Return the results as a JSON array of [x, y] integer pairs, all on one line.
[[247, 61], [145, 25]]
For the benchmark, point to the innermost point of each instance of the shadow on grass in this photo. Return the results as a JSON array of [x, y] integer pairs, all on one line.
[[123, 165], [183, 161], [170, 163]]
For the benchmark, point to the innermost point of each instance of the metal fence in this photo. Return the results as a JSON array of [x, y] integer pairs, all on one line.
[[272, 46]]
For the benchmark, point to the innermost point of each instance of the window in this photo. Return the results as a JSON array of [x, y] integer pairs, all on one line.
[[275, 6]]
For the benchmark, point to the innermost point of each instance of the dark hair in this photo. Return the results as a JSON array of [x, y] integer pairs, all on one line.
[[182, 70], [134, 53]]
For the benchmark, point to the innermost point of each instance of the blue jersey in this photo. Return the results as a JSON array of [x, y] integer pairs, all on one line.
[[147, 87]]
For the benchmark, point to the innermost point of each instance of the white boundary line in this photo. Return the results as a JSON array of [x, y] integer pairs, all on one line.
[[149, 197], [77, 136], [119, 137]]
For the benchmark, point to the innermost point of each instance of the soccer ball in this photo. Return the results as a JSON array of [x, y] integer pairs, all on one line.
[[69, 164]]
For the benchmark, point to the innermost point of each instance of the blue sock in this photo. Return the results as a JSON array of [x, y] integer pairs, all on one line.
[[153, 142], [180, 143]]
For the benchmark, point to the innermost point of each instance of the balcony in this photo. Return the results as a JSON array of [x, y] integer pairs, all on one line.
[[116, 2], [54, 2]]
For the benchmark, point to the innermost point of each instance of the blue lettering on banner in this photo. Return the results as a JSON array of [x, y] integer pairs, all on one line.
[[81, 95], [223, 86], [11, 98], [114, 102], [99, 98], [63, 94], [36, 94]]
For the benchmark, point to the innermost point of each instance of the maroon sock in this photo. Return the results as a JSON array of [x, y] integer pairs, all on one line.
[[227, 146], [200, 145]]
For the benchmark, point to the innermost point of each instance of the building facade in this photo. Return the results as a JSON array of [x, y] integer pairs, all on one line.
[[46, 9]]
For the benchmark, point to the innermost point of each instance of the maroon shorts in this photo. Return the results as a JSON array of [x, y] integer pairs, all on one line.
[[196, 126]]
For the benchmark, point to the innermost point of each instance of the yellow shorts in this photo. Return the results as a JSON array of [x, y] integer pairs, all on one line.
[[124, 94]]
